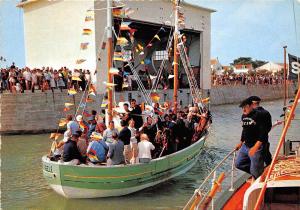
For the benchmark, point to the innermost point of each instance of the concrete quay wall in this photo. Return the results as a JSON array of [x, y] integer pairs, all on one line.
[[40, 112]]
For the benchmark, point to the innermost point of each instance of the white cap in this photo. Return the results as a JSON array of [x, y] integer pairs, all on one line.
[[79, 118]]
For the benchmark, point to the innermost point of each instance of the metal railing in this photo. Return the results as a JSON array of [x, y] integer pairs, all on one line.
[[200, 197]]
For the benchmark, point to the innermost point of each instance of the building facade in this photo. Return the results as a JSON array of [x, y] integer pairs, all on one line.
[[53, 34]]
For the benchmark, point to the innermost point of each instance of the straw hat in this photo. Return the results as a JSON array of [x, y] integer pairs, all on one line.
[[96, 136]]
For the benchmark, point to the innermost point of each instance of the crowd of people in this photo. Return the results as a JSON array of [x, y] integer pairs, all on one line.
[[140, 138], [246, 79], [17, 80]]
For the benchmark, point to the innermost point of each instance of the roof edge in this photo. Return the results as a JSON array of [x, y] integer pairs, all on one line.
[[23, 3], [199, 7]]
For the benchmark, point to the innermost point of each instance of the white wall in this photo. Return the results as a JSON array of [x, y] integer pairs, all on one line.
[[53, 33]]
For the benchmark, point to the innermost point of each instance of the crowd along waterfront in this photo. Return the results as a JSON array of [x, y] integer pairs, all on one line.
[[23, 185]]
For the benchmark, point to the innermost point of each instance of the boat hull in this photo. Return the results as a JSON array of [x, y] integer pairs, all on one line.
[[85, 181]]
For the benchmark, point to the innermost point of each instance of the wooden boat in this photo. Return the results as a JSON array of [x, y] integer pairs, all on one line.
[[84, 181], [91, 181]]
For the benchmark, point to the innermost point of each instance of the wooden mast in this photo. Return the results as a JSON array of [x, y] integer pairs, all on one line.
[[175, 62], [109, 59], [285, 88]]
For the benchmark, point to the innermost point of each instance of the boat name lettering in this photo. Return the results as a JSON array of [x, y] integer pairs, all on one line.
[[48, 168]]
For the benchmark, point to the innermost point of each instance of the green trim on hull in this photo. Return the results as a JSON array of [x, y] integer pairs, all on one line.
[[122, 177]]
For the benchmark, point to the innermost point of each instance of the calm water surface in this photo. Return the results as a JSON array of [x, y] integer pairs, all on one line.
[[23, 185]]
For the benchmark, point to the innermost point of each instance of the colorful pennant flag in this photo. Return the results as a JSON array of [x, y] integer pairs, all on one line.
[[80, 61], [89, 100], [205, 100], [86, 31], [108, 84], [149, 45], [86, 113], [72, 91], [117, 12], [66, 109], [125, 26], [157, 37], [68, 104], [122, 41], [62, 122], [155, 97], [84, 46], [55, 135], [114, 71], [75, 78], [152, 77], [170, 76]]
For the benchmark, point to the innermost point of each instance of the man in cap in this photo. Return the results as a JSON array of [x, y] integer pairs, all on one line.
[[71, 151], [250, 157], [265, 120], [97, 149]]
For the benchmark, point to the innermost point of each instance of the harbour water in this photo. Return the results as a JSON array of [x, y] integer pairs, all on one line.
[[23, 185]]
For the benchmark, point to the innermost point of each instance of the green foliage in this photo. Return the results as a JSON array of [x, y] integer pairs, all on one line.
[[248, 60]]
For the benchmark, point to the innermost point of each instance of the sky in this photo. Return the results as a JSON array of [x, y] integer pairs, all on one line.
[[240, 28]]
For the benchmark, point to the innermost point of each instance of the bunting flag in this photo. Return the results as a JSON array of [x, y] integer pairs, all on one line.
[[72, 91], [205, 100], [118, 58], [88, 18], [142, 53], [55, 135], [84, 46], [86, 113], [170, 76], [142, 62], [117, 12], [174, 63], [62, 122], [83, 127], [66, 109], [114, 71], [140, 47], [80, 61], [128, 11], [68, 104], [125, 26], [92, 88], [92, 94], [104, 104], [86, 31], [88, 100], [75, 78], [157, 37], [155, 97], [122, 41], [152, 77], [108, 84], [132, 31]]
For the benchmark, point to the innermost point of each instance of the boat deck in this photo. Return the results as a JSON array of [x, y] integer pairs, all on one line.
[[236, 201]]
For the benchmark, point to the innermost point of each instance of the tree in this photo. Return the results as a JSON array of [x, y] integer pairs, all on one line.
[[248, 60]]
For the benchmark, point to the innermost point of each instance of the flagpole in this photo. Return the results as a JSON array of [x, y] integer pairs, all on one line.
[[285, 88], [109, 59], [175, 89]]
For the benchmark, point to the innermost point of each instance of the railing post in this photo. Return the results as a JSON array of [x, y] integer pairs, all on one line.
[[232, 172]]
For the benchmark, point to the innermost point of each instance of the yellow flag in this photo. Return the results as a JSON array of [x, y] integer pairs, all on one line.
[[68, 104], [157, 37], [72, 91]]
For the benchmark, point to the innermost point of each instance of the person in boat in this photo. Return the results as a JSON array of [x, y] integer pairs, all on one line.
[[83, 125], [72, 125], [124, 136], [265, 118], [115, 155], [91, 125], [107, 134], [144, 149], [126, 116], [149, 128], [97, 149], [173, 127], [82, 144], [250, 157], [100, 127], [136, 114], [133, 142], [71, 153]]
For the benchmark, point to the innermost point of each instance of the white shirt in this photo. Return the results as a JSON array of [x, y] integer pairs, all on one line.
[[133, 132], [27, 75], [145, 148]]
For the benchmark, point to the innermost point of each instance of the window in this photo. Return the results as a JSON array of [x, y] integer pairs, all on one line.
[[160, 55]]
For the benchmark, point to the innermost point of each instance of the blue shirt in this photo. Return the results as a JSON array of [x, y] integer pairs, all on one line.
[[73, 126], [96, 151]]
